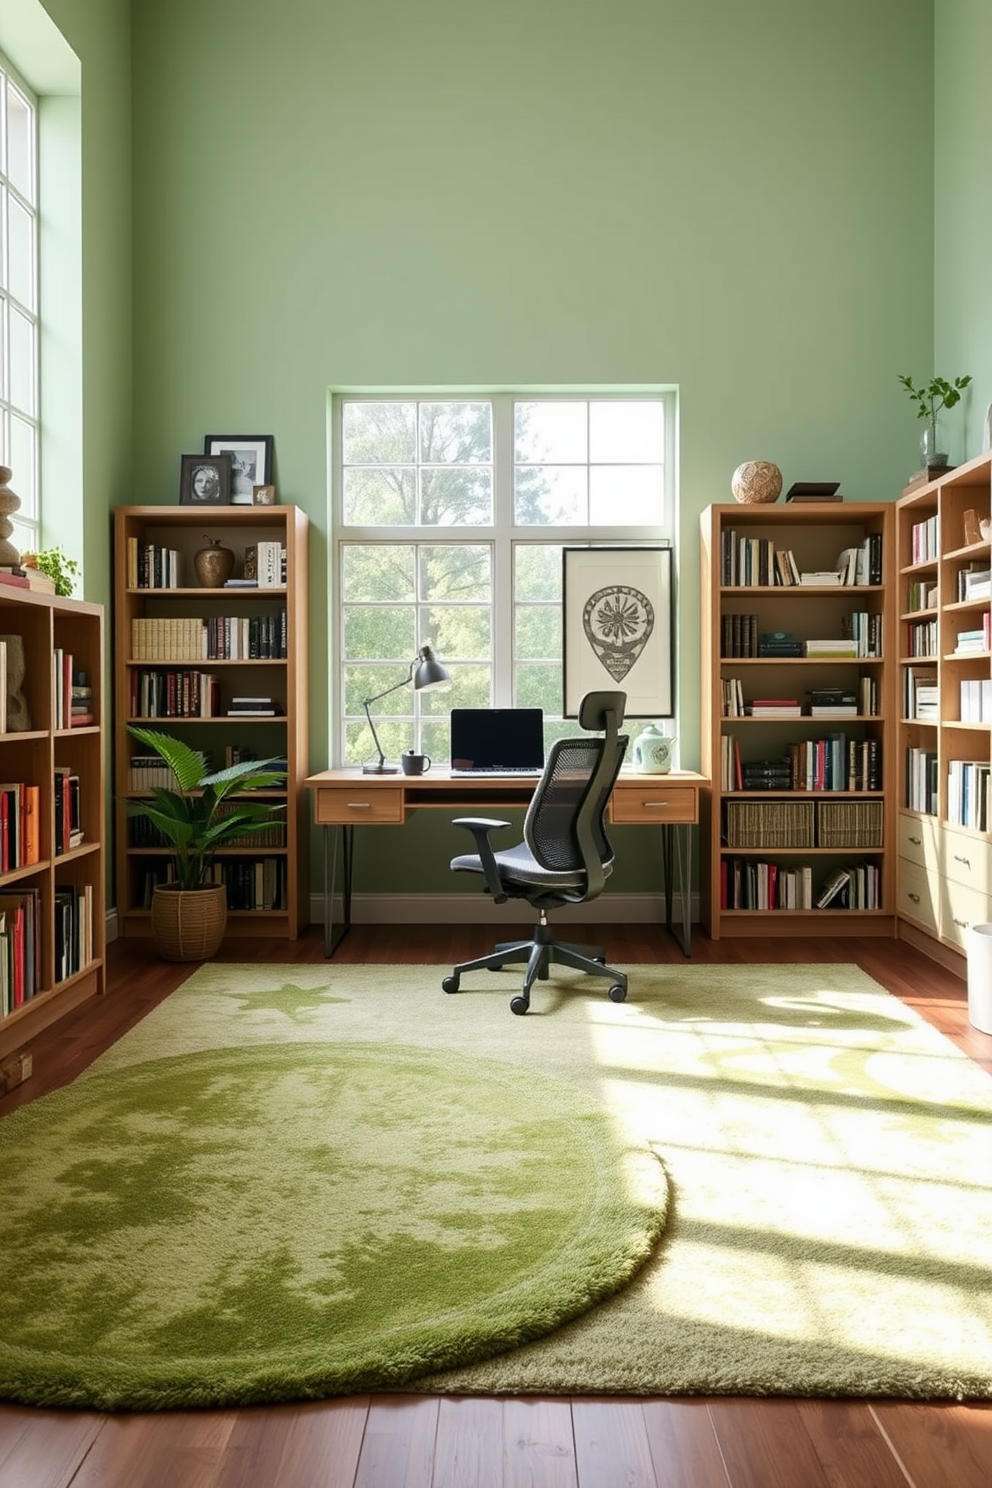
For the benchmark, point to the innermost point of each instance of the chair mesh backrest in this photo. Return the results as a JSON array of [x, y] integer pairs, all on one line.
[[572, 772]]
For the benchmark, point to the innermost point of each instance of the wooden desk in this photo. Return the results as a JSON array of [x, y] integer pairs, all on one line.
[[344, 799]]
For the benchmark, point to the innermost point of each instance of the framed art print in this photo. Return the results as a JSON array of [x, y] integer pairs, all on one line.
[[251, 462], [617, 625], [205, 480]]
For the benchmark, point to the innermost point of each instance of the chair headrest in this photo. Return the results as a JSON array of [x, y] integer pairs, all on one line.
[[596, 705]]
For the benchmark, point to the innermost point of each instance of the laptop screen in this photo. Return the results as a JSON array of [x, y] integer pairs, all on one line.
[[497, 739]]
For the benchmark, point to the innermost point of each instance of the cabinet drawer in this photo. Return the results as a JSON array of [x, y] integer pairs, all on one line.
[[651, 800], [919, 840], [960, 908], [967, 860], [336, 805], [918, 895]]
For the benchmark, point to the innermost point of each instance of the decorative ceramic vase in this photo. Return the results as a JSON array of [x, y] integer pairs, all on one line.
[[933, 445], [756, 481], [214, 565], [188, 924], [653, 751], [9, 556]]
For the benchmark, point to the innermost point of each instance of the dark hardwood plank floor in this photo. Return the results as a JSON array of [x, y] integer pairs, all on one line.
[[407, 1441]]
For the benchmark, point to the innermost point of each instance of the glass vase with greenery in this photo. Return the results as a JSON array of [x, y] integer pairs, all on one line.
[[930, 399]]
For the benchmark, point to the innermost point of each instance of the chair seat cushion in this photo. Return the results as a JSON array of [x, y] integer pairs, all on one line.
[[518, 865]]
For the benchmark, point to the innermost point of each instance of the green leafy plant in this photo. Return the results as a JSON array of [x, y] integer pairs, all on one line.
[[206, 810], [53, 562], [938, 393]]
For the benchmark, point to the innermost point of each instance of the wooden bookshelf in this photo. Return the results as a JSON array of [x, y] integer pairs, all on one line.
[[944, 867], [66, 885], [153, 669], [796, 800]]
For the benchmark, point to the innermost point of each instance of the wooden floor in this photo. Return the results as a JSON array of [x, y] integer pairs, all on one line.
[[427, 1442]]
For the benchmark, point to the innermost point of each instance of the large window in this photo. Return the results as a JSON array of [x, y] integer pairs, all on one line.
[[451, 513], [19, 434]]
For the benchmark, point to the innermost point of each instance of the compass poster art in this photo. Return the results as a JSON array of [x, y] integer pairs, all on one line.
[[618, 627]]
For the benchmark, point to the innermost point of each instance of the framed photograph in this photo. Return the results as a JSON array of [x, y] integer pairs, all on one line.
[[205, 480], [617, 605], [251, 461], [263, 495]]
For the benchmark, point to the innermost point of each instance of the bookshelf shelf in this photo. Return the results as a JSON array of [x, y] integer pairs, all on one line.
[[190, 696], [50, 883], [763, 871]]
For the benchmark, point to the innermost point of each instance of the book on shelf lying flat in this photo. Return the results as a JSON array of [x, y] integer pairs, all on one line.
[[823, 577]]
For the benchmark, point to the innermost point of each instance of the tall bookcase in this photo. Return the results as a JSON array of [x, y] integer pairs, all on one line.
[[797, 801], [183, 652], [53, 904], [944, 879]]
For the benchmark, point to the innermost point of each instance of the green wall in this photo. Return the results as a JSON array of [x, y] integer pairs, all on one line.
[[735, 200]]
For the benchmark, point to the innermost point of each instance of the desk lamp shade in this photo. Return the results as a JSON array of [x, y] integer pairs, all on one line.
[[425, 672]]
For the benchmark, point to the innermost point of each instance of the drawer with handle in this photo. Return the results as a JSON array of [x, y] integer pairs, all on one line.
[[350, 805]]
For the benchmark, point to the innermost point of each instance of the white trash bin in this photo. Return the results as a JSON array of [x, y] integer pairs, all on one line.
[[979, 950]]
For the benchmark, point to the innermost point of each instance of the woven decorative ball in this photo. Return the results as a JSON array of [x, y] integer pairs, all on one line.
[[756, 481]]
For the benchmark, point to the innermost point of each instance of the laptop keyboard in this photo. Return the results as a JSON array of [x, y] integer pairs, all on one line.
[[507, 770]]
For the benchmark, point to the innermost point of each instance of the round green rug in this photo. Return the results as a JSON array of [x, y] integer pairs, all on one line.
[[272, 1223]]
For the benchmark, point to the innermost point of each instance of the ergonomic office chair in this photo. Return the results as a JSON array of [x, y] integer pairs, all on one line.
[[565, 857]]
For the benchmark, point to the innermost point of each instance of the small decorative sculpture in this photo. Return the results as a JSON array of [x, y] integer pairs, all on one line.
[[756, 481], [18, 719], [9, 556]]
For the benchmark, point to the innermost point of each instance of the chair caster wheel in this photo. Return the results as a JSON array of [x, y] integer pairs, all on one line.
[[617, 992], [450, 984], [519, 1005]]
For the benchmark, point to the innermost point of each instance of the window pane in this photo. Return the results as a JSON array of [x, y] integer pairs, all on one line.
[[20, 143], [23, 445], [471, 687], [455, 573], [21, 254], [22, 370], [380, 498], [378, 631], [550, 495], [372, 573], [462, 631], [540, 687], [550, 433], [368, 681], [537, 632], [379, 433], [626, 495], [456, 497], [631, 433], [536, 572], [456, 433]]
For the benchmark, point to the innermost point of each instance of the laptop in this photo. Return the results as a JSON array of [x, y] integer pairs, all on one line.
[[497, 741]]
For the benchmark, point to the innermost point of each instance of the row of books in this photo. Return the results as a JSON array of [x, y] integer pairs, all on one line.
[[747, 561], [269, 569], [747, 883], [20, 947], [72, 693], [68, 810], [833, 763], [174, 694], [924, 540], [921, 594], [150, 566], [220, 638], [921, 694], [146, 772], [922, 781], [741, 636], [922, 638], [73, 929], [969, 795], [251, 883], [143, 833], [20, 825], [976, 700], [974, 582], [840, 702]]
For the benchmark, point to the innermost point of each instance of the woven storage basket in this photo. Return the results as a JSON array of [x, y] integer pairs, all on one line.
[[769, 824], [849, 824], [189, 924]]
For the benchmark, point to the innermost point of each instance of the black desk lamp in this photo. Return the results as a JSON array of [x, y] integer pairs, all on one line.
[[425, 672]]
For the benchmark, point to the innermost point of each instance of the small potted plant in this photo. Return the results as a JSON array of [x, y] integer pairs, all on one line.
[[205, 811], [62, 571], [930, 400]]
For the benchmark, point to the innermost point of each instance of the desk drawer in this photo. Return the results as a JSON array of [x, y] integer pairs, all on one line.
[[336, 805], [651, 800]]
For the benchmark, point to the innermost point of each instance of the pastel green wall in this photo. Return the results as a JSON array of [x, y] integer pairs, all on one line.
[[728, 198]]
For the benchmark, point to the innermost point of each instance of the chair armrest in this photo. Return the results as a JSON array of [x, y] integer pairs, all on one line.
[[480, 827]]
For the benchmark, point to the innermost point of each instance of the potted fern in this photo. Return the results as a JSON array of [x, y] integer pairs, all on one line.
[[204, 812]]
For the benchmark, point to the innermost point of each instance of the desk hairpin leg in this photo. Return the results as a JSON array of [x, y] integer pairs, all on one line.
[[344, 835], [676, 845]]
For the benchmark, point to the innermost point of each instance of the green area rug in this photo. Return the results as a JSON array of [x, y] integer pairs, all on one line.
[[829, 1157], [299, 1219]]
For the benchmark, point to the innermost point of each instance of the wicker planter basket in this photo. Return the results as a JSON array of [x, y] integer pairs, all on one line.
[[189, 924]]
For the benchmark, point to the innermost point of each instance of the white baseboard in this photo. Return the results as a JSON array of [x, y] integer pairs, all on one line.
[[479, 909]]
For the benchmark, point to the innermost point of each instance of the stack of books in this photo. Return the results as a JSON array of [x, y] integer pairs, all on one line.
[[774, 708], [971, 642], [253, 707], [833, 702], [26, 577], [779, 643], [767, 775], [839, 646], [922, 694]]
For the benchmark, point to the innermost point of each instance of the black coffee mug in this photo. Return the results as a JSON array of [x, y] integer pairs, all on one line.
[[415, 764]]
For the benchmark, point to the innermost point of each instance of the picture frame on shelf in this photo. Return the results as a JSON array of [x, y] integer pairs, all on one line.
[[251, 462], [617, 615], [263, 495], [205, 480]]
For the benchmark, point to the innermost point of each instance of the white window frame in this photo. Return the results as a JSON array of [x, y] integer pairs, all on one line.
[[26, 482], [503, 535]]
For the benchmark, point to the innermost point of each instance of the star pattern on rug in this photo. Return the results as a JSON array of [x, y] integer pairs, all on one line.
[[298, 1003]]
